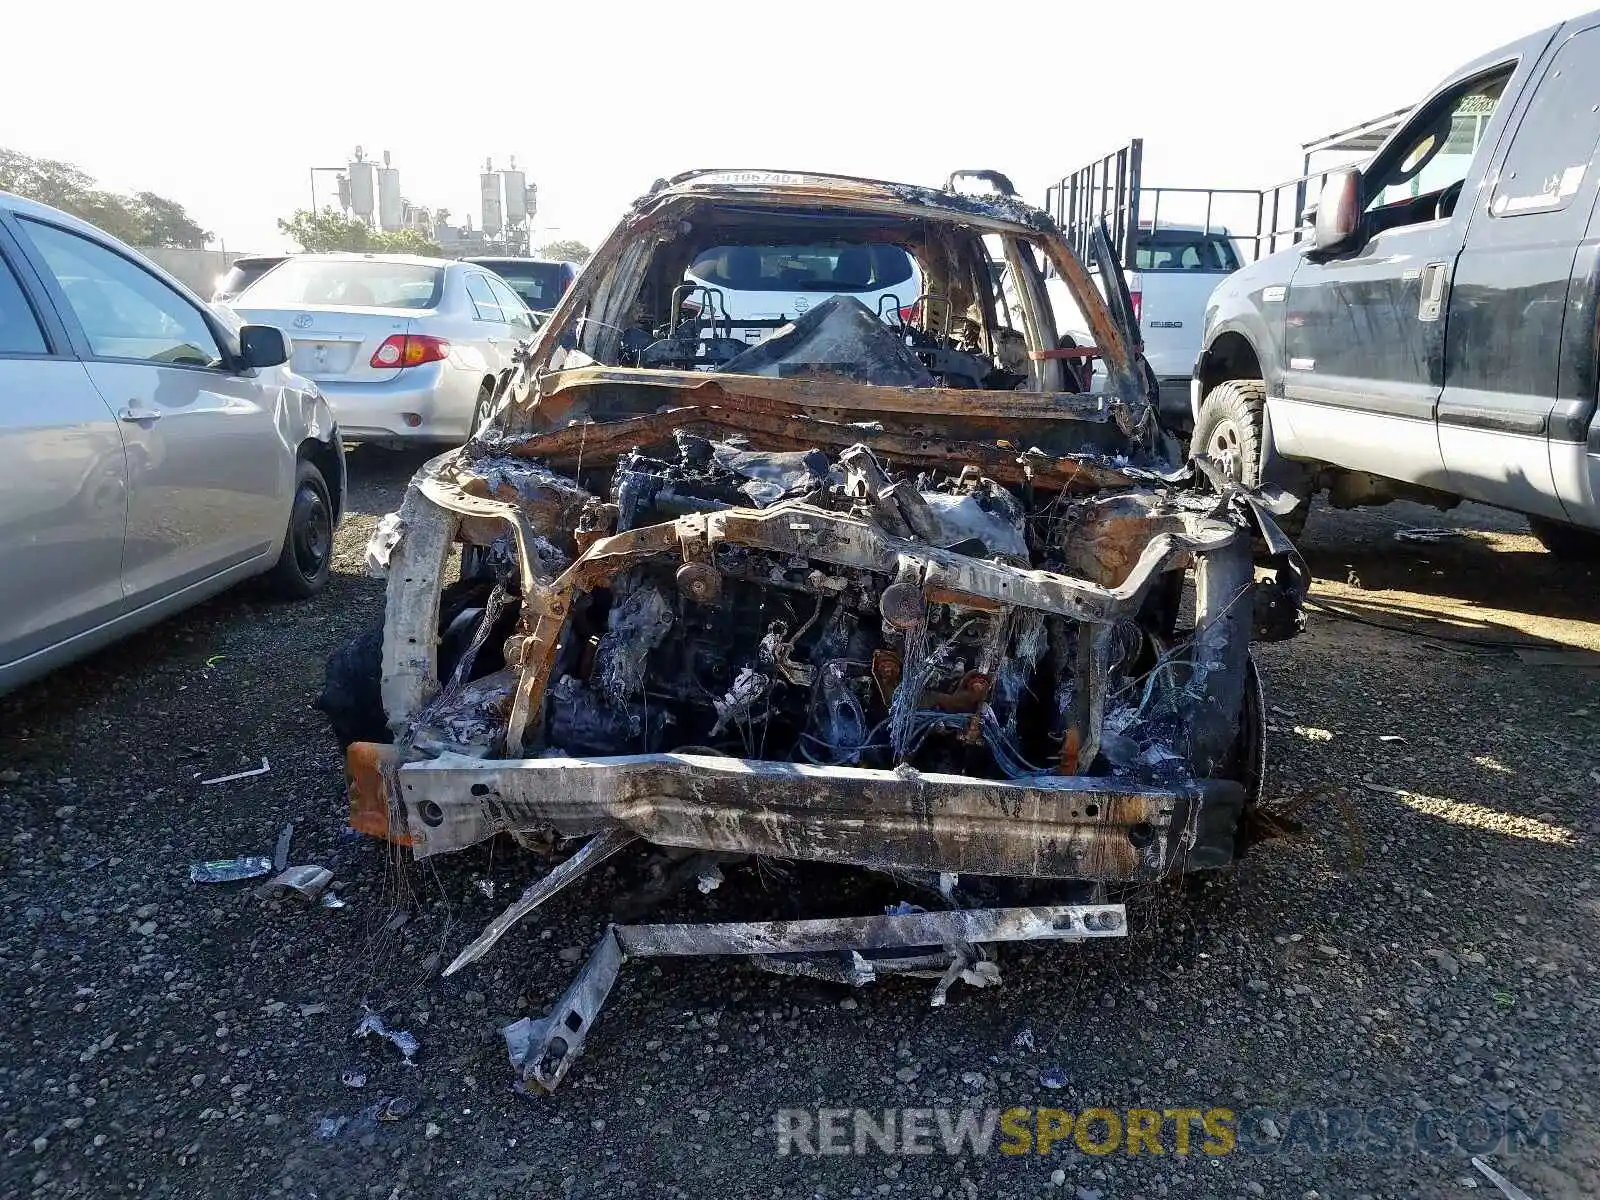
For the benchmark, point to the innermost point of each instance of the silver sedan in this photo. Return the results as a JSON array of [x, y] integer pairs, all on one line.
[[406, 349], [155, 450]]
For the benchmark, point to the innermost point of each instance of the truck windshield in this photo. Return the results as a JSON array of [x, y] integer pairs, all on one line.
[[1185, 250]]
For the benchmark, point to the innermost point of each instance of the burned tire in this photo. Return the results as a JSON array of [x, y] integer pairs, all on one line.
[[307, 556], [1229, 429], [1566, 541], [482, 409]]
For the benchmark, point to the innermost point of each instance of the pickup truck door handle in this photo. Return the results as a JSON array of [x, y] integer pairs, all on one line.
[[1430, 304], [135, 413]]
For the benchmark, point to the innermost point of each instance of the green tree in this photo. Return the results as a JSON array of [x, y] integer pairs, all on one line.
[[143, 219], [331, 229], [566, 249], [165, 223]]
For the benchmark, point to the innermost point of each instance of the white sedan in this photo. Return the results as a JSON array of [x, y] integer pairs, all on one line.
[[406, 349]]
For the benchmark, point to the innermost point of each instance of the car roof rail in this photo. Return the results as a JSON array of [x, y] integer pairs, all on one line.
[[996, 179]]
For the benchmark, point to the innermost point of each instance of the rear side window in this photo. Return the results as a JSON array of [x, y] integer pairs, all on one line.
[[1182, 250], [516, 312], [824, 267], [19, 327], [539, 284], [356, 283], [1556, 138], [125, 311], [484, 304]]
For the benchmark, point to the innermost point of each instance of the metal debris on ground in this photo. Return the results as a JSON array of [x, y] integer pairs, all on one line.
[[261, 770], [402, 1040], [333, 900], [280, 856], [307, 882], [390, 1108], [1053, 1078], [353, 1079], [542, 1050], [1509, 1189], [230, 870], [1428, 535]]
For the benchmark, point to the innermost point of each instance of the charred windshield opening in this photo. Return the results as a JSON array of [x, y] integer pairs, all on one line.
[[879, 300]]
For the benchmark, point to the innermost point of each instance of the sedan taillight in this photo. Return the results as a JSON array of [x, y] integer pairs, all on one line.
[[410, 350]]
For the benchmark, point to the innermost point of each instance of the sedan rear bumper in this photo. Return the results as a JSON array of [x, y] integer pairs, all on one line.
[[430, 403]]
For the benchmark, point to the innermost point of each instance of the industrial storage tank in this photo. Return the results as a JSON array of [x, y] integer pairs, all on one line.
[[391, 208]]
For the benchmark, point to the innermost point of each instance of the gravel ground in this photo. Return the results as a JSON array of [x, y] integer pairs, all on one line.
[[1423, 946]]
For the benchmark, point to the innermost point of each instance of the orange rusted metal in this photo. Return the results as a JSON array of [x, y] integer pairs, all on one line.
[[369, 782], [1069, 750]]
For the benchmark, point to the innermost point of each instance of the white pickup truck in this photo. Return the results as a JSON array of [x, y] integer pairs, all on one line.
[[1175, 268], [1173, 248]]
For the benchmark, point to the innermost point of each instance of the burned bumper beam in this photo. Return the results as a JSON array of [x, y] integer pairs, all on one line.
[[1077, 827], [543, 1050]]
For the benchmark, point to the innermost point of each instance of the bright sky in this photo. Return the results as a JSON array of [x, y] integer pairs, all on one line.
[[224, 107]]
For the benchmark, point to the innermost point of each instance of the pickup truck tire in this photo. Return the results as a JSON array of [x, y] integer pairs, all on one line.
[[1566, 541], [1229, 430]]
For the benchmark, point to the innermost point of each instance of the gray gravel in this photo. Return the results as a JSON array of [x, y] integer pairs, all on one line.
[[1425, 944]]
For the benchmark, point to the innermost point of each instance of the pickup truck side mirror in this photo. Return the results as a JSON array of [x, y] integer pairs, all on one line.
[[1338, 211]]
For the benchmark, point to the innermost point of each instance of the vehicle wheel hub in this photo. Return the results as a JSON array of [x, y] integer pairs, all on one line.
[[311, 531], [1224, 449]]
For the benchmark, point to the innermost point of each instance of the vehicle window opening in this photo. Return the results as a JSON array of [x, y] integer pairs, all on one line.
[[1419, 177]]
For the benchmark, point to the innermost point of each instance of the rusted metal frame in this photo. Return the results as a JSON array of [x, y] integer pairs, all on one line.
[[599, 439], [1037, 317], [797, 528], [1116, 353], [543, 1050], [1073, 352], [550, 606], [410, 676], [854, 543], [590, 855], [464, 504], [975, 263], [832, 394], [537, 662], [884, 931], [1048, 826], [1224, 610], [1094, 669]]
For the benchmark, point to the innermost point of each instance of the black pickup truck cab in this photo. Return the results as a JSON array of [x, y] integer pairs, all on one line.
[[1435, 337]]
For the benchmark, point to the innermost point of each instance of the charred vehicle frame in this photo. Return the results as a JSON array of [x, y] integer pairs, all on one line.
[[887, 590]]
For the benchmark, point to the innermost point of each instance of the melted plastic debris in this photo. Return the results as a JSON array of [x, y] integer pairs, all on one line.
[[380, 546], [402, 1040]]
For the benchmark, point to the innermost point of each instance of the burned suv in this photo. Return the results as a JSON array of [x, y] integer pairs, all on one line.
[[881, 590]]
